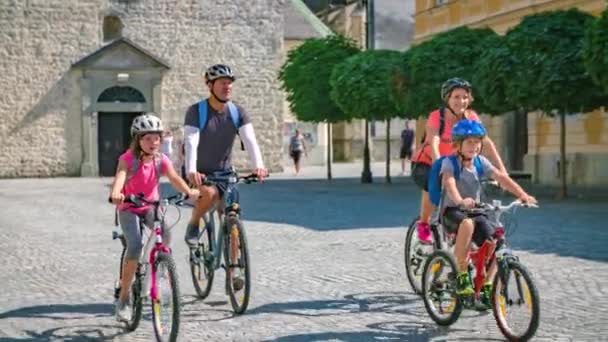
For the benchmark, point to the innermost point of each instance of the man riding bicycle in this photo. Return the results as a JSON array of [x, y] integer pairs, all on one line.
[[210, 128]]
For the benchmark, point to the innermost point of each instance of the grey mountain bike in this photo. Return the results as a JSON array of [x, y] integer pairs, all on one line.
[[230, 243]]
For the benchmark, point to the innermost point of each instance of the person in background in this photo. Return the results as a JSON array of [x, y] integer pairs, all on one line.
[[296, 148], [407, 143]]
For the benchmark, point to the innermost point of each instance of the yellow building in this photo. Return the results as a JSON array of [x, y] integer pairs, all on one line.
[[586, 134]]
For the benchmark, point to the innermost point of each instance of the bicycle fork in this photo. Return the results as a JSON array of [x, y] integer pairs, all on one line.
[[158, 247]]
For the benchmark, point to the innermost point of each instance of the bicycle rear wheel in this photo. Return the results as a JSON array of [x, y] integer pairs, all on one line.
[[516, 290], [415, 254], [166, 305], [236, 257], [135, 302], [117, 285], [413, 260], [202, 276]]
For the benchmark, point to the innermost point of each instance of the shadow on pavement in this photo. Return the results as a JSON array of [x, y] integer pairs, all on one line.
[[61, 311], [567, 228], [407, 304], [322, 205], [72, 333], [572, 228]]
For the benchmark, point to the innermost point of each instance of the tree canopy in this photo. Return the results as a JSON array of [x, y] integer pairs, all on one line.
[[305, 77]]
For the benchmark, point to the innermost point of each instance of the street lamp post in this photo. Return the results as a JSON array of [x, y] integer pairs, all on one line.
[[366, 175]]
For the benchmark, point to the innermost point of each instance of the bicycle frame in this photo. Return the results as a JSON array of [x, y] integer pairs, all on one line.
[[217, 244], [150, 252], [231, 208], [158, 247], [483, 258]]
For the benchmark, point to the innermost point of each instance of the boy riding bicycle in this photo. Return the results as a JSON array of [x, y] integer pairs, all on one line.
[[462, 187]]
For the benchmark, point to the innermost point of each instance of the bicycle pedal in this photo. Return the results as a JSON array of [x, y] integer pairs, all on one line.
[[468, 301]]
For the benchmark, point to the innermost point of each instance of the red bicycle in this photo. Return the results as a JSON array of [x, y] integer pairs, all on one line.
[[513, 287]]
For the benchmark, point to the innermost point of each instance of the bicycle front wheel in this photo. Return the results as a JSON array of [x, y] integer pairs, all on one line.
[[439, 288], [166, 305], [236, 257], [515, 297]]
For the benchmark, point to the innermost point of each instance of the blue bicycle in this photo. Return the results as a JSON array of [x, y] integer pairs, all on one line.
[[206, 256]]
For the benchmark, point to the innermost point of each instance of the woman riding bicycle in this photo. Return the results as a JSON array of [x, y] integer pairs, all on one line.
[[457, 97], [138, 172]]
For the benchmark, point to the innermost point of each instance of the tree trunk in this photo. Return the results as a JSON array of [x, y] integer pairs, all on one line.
[[388, 151], [366, 175], [329, 150], [562, 150]]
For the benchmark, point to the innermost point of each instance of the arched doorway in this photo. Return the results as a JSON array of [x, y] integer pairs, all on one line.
[[118, 81], [113, 133]]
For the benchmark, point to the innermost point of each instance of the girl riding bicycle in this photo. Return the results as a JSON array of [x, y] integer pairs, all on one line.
[[138, 172], [463, 193], [457, 96]]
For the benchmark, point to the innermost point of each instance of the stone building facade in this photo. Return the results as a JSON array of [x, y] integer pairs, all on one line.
[[75, 72]]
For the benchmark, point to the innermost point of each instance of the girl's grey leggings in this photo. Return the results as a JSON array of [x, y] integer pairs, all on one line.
[[129, 222]]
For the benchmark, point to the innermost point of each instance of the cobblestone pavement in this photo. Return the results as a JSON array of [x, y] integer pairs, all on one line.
[[327, 265]]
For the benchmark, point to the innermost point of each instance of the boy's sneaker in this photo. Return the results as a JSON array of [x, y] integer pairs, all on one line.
[[463, 285], [123, 311], [485, 297], [424, 233]]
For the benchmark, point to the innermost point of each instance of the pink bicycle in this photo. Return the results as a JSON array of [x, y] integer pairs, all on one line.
[[162, 280]]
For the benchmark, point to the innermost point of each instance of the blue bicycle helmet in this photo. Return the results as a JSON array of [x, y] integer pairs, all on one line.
[[466, 129]]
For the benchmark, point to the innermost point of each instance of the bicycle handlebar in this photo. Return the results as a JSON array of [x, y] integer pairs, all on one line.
[[231, 179], [139, 200], [497, 206]]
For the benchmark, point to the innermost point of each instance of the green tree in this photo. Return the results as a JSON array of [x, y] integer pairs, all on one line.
[[595, 50], [305, 78], [365, 85], [448, 54], [549, 73], [494, 71]]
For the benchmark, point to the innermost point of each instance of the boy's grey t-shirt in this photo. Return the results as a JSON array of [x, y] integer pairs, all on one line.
[[214, 151], [468, 184]]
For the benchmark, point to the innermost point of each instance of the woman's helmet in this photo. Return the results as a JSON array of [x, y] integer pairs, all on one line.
[[466, 129], [146, 123], [218, 71], [454, 83]]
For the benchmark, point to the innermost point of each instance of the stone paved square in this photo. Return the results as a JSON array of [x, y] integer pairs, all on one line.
[[327, 261]]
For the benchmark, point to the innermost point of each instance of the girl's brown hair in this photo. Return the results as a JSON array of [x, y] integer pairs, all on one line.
[[135, 147]]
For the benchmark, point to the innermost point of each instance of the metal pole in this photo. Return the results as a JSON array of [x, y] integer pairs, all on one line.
[[366, 175]]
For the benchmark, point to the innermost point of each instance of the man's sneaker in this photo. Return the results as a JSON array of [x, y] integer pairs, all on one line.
[[485, 297], [463, 285], [424, 233], [191, 235], [123, 311]]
